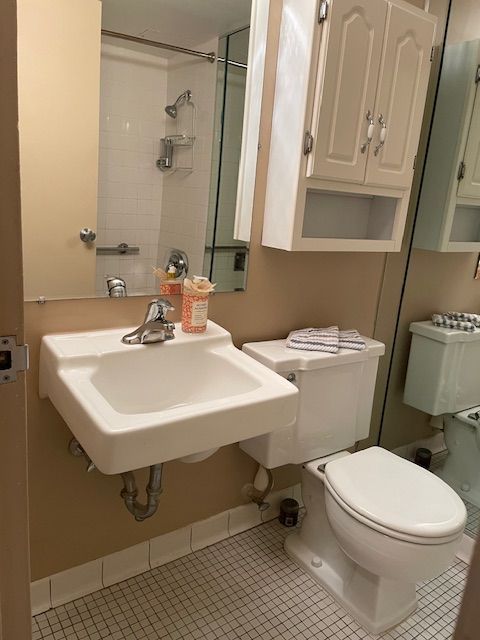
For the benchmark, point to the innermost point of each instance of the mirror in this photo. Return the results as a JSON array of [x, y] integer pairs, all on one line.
[[180, 95], [433, 393]]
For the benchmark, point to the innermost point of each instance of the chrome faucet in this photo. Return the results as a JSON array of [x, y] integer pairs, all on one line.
[[155, 327]]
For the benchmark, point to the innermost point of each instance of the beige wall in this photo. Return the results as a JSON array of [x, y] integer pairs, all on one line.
[[76, 516], [59, 83]]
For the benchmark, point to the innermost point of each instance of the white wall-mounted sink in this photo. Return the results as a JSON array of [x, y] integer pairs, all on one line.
[[132, 406]]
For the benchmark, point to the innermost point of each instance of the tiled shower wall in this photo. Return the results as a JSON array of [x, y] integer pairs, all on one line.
[[132, 120], [186, 192]]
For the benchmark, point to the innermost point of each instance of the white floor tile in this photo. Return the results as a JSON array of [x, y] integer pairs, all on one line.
[[244, 587]]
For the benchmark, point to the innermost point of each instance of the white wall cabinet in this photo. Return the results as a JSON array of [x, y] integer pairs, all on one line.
[[469, 186], [352, 77], [449, 208]]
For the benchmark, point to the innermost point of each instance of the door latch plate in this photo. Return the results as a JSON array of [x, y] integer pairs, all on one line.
[[13, 358]]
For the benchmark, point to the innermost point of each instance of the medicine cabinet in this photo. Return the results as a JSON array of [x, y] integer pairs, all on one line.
[[351, 84], [449, 207]]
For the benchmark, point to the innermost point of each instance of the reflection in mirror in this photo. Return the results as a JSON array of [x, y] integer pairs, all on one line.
[[226, 258], [175, 81], [433, 394], [170, 142]]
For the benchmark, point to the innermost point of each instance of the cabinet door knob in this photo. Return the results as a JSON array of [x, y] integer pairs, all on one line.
[[383, 134], [370, 131]]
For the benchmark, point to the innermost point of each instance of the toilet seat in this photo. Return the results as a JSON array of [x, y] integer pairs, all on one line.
[[395, 497]]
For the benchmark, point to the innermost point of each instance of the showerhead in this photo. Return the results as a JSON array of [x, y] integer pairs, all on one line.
[[171, 109]]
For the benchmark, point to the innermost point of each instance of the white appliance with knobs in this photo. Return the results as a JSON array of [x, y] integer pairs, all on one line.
[[443, 379], [351, 84], [375, 524]]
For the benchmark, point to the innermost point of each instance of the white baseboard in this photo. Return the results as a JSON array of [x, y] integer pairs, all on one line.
[[465, 551], [87, 578], [435, 443]]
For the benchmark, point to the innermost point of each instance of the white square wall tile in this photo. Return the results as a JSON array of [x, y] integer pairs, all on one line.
[[207, 532], [274, 499], [76, 582], [125, 564], [40, 596], [170, 546], [244, 517]]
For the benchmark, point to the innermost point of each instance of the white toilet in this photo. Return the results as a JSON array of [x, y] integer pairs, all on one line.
[[443, 379], [375, 524]]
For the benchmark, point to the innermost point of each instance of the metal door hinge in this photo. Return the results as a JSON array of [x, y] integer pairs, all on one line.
[[461, 171], [322, 11], [477, 75], [307, 143], [432, 54], [414, 163], [13, 358]]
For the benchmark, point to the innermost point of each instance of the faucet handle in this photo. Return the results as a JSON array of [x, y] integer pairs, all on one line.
[[157, 309]]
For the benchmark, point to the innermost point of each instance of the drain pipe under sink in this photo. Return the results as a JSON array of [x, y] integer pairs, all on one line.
[[129, 492], [154, 489]]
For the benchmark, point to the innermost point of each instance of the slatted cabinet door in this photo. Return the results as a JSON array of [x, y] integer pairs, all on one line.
[[401, 94], [349, 62], [469, 185]]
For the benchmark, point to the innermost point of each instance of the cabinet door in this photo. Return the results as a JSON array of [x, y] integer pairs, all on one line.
[[469, 187], [349, 61], [401, 94]]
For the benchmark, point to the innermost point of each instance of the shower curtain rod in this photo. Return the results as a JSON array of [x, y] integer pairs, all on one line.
[[211, 57]]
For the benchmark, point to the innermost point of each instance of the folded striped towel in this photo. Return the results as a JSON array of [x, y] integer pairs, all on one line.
[[474, 318], [311, 339], [328, 339], [351, 340], [457, 321]]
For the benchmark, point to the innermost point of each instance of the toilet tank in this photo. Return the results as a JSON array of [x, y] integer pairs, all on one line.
[[443, 374], [335, 401]]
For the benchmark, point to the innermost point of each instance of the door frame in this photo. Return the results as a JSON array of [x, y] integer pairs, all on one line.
[[15, 612]]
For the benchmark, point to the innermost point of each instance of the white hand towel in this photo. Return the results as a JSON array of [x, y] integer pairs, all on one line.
[[351, 340], [311, 339]]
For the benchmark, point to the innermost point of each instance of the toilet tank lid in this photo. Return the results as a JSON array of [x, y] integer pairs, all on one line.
[[443, 334], [275, 355]]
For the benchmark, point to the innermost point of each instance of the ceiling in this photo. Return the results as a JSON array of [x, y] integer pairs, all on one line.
[[185, 23]]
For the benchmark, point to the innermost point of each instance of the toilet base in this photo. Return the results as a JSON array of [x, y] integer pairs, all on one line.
[[377, 603], [458, 484]]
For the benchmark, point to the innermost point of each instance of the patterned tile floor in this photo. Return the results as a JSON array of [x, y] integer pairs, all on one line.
[[243, 587], [472, 527]]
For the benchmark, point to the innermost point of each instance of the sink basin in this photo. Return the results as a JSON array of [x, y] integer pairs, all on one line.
[[132, 406]]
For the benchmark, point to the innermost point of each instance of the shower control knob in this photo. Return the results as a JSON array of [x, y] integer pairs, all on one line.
[[87, 235]]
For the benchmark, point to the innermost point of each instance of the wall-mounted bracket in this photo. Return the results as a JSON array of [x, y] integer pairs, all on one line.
[[13, 358]]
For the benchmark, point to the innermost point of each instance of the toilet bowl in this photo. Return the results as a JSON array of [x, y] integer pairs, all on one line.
[[375, 526], [461, 469]]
